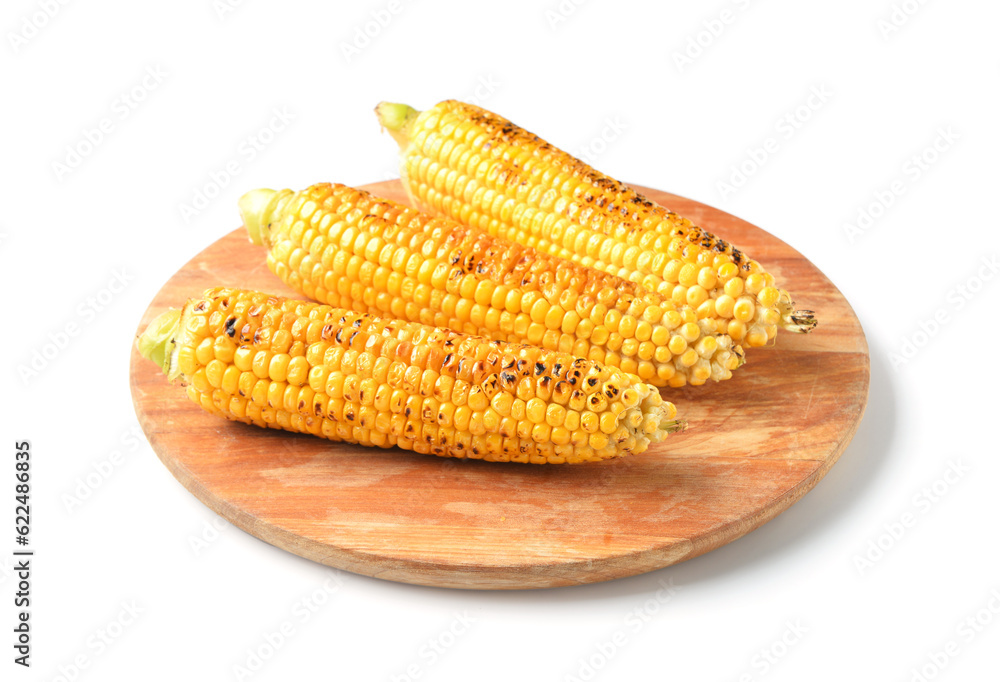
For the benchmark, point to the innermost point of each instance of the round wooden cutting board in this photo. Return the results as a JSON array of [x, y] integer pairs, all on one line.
[[755, 445]]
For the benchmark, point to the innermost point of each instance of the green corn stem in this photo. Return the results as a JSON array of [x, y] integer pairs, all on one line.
[[158, 341], [397, 119], [258, 208]]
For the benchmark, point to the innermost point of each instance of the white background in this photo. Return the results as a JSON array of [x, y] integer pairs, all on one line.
[[571, 73]]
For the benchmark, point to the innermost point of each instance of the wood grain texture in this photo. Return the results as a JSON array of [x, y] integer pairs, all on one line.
[[755, 445]]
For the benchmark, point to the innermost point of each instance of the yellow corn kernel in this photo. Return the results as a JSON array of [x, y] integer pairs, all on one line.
[[243, 358], [535, 410], [598, 441], [755, 283], [734, 287], [744, 309], [724, 305], [768, 297], [678, 344]]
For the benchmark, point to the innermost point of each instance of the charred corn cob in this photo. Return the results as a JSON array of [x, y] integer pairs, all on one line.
[[347, 376], [461, 161], [347, 248]]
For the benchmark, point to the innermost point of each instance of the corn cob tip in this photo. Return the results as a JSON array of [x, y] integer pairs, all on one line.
[[254, 211], [396, 118], [157, 342], [800, 321]]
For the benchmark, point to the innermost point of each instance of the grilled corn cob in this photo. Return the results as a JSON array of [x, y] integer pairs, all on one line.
[[347, 376], [347, 248], [461, 161]]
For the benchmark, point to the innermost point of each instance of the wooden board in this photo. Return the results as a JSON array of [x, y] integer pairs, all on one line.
[[755, 445]]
